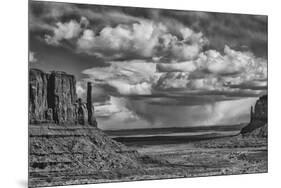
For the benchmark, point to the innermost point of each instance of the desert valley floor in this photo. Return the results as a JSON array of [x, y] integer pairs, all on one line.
[[78, 155]]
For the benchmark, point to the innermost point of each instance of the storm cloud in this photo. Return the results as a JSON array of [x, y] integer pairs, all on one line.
[[155, 67]]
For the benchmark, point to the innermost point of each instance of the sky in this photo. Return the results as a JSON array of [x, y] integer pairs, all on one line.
[[154, 68]]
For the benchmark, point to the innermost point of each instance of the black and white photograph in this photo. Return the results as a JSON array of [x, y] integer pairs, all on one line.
[[119, 93]]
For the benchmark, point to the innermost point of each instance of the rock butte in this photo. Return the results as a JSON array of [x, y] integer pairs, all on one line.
[[53, 99], [258, 122]]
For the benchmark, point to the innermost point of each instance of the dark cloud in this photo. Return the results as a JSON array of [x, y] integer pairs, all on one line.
[[63, 59], [251, 86], [239, 31]]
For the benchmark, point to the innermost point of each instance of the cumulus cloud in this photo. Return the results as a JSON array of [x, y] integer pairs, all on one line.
[[127, 78], [67, 31], [143, 39], [233, 62], [222, 74], [139, 39], [215, 71]]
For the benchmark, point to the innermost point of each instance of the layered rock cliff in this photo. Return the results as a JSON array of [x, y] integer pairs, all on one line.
[[37, 96], [62, 97], [53, 99], [258, 120]]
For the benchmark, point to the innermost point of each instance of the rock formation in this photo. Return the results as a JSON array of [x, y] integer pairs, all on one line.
[[53, 99], [37, 96], [82, 113], [258, 118], [259, 132], [62, 96], [91, 119]]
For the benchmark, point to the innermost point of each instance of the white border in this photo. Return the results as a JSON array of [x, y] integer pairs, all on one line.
[[13, 95]]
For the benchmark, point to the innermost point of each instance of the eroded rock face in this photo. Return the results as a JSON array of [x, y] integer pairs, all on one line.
[[82, 113], [260, 111], [260, 132], [53, 99], [49, 115], [70, 153], [258, 117], [62, 96], [37, 96]]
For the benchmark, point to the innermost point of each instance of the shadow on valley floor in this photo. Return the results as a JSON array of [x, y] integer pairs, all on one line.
[[163, 140]]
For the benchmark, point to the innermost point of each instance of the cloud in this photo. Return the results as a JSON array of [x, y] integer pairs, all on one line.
[[99, 95], [32, 58], [131, 89], [65, 31], [109, 108], [145, 39], [132, 71], [188, 66], [126, 77], [130, 113], [214, 71], [251, 85], [239, 31], [136, 39], [115, 114], [53, 11], [233, 74], [228, 112], [163, 66], [172, 80], [141, 38], [233, 62], [213, 113], [81, 89]]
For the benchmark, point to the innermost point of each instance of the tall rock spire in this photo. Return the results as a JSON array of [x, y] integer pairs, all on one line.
[[90, 108], [252, 114]]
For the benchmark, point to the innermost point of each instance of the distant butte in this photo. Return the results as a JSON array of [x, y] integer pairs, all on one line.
[[258, 120]]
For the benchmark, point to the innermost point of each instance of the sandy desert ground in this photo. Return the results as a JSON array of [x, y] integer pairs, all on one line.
[[220, 156]]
